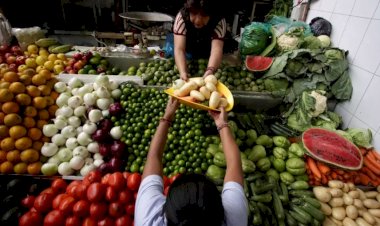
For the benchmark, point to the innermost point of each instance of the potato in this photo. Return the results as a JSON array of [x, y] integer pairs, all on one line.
[[378, 197], [349, 222], [348, 200], [351, 186], [361, 194], [336, 192], [339, 213], [378, 188], [329, 222], [358, 203], [375, 212], [326, 209], [336, 202], [346, 188], [371, 204], [335, 184], [354, 194], [352, 212], [337, 222], [361, 222], [322, 194], [369, 218], [371, 194]]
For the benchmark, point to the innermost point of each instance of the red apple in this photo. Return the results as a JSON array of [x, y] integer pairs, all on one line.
[[4, 66], [78, 65], [72, 71], [13, 67], [4, 48], [20, 60], [11, 60], [8, 55], [16, 50], [68, 68], [77, 56]]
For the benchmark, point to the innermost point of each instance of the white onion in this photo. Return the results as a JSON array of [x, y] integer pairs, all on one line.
[[64, 169], [89, 127], [116, 132], [49, 149], [93, 147], [89, 99], [71, 143], [66, 111], [80, 151], [75, 101], [58, 139], [84, 139], [69, 131], [95, 115], [76, 162], [103, 103], [74, 82], [60, 87], [74, 121], [80, 111], [62, 99], [49, 130]]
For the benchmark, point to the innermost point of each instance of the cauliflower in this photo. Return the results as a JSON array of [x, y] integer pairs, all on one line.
[[320, 103], [288, 42]]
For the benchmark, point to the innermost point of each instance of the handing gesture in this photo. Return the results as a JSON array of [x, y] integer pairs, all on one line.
[[171, 108], [219, 117]]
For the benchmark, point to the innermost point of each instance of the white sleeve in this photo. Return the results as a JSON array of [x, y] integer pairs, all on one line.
[[149, 202], [235, 204]]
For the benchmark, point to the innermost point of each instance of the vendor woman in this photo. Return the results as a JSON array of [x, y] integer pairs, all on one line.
[[199, 29]]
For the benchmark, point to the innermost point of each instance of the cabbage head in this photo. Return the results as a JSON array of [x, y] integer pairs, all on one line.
[[325, 40], [361, 137]]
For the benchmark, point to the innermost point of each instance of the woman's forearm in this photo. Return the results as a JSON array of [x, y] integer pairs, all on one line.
[[216, 54], [180, 61], [234, 170]]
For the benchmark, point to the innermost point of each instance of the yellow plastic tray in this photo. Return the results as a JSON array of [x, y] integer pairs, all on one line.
[[222, 89]]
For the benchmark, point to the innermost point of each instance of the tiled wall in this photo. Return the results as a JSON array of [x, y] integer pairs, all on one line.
[[356, 28]]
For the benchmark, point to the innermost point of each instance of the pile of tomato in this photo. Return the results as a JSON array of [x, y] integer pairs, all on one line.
[[96, 200]]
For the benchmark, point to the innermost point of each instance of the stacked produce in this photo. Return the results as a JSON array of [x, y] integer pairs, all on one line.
[[11, 57], [345, 204], [74, 133]]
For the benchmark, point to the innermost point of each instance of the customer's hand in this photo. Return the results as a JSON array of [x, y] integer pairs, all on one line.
[[184, 76], [171, 108], [220, 117]]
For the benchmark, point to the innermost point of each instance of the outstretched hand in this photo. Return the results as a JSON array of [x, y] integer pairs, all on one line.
[[220, 117], [171, 108], [184, 77]]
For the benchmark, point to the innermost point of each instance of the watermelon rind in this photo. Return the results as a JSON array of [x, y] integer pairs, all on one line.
[[345, 146], [258, 63]]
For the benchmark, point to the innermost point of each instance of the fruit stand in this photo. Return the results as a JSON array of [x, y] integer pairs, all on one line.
[[75, 130]]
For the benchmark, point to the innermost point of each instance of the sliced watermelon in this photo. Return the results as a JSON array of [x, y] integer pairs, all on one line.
[[332, 148], [258, 63]]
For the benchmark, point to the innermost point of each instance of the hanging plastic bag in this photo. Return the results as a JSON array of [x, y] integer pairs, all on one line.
[[282, 25], [5, 31], [320, 26], [169, 47], [27, 36], [255, 38]]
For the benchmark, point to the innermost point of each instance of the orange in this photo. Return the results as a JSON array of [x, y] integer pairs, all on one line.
[[17, 87], [41, 123], [30, 72], [37, 145], [35, 134], [13, 156], [20, 168], [29, 122], [3, 156], [52, 109], [54, 95], [45, 139], [39, 102], [23, 143], [4, 85], [10, 76], [7, 144], [25, 79], [5, 95], [6, 167], [2, 116], [10, 107], [17, 132], [4, 131], [38, 79], [45, 90], [51, 82], [45, 74], [49, 100], [34, 168], [33, 91], [30, 111], [12, 119], [43, 114], [29, 156], [23, 99]]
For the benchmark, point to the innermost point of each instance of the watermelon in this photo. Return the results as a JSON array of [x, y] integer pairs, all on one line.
[[329, 147], [258, 63]]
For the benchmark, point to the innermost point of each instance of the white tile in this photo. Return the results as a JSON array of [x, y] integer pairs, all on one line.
[[360, 80], [338, 22], [369, 107], [316, 4], [364, 8], [346, 116], [357, 123], [328, 5], [376, 141], [317, 13], [377, 13], [344, 6], [368, 55], [353, 35], [378, 70]]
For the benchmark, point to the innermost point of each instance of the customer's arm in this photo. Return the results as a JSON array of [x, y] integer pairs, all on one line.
[[153, 165], [234, 170]]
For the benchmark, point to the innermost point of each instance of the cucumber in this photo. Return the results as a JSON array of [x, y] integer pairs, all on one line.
[[304, 215], [299, 185], [314, 212], [297, 217], [314, 202], [278, 208], [290, 220], [301, 193]]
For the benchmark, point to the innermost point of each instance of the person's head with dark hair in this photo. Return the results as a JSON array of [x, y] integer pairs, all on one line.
[[194, 200], [201, 10]]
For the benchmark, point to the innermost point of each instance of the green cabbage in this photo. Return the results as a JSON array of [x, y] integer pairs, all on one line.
[[361, 137]]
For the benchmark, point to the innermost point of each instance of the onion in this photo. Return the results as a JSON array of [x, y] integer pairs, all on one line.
[[116, 132], [49, 169], [71, 143], [80, 111], [115, 164], [104, 150], [66, 111], [118, 148], [89, 99], [113, 85], [95, 115], [102, 80], [93, 147], [97, 156], [106, 124], [75, 101], [87, 168], [79, 129], [116, 94], [58, 139], [105, 168], [62, 99], [115, 109], [105, 113], [64, 169], [102, 92], [98, 162], [64, 154], [49, 149], [80, 151], [84, 139], [89, 127], [60, 122], [69, 131], [60, 87], [103, 103], [75, 82], [74, 121], [54, 159], [49, 130], [76, 162]]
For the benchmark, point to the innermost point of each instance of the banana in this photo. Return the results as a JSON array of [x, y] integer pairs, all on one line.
[[52, 47], [46, 42], [61, 49]]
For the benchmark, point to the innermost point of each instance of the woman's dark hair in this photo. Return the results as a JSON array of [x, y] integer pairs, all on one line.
[[206, 7], [194, 200]]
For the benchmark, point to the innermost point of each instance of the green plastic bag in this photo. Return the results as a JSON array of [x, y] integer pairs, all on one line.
[[255, 38]]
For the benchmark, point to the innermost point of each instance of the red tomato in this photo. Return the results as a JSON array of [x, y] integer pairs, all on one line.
[[49, 191], [43, 202], [111, 194], [66, 206], [30, 219], [71, 190], [173, 178], [58, 199], [135, 195], [98, 210], [125, 197], [54, 218], [73, 183], [73, 221], [33, 210], [126, 175], [116, 180], [81, 208], [59, 185], [96, 192], [28, 201], [105, 179], [166, 181], [166, 190], [133, 181], [93, 176], [106, 222], [115, 210], [124, 221], [130, 209], [80, 191], [89, 222]]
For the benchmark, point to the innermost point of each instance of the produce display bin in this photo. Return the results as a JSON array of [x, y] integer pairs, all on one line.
[[88, 78]]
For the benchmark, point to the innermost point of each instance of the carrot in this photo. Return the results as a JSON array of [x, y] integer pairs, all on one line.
[[313, 168], [324, 169], [364, 179], [339, 171], [372, 155], [324, 179], [363, 151], [369, 173], [376, 154], [372, 165], [334, 175]]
